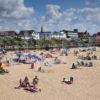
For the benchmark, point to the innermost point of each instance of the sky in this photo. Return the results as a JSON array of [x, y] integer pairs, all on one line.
[[54, 15]]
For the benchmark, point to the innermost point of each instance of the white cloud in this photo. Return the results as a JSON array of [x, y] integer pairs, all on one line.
[[52, 12], [83, 19], [15, 16], [14, 8]]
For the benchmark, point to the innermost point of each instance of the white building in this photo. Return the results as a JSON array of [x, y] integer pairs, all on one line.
[[45, 35], [35, 35], [58, 35], [71, 34]]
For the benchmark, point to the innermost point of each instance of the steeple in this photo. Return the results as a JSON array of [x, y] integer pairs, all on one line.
[[41, 28]]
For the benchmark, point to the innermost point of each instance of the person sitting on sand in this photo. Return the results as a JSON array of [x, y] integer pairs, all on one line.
[[73, 66], [86, 64], [68, 81], [25, 83], [82, 63], [78, 63], [88, 58], [94, 57], [46, 64], [35, 81], [40, 69], [20, 83], [90, 64], [57, 61]]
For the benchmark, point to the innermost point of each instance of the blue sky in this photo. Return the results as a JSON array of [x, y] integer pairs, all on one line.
[[54, 15], [39, 5]]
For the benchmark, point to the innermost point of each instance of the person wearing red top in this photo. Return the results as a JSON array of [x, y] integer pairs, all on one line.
[[20, 83], [32, 66]]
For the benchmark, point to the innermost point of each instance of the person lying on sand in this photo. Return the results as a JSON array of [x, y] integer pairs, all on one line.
[[68, 81], [32, 89]]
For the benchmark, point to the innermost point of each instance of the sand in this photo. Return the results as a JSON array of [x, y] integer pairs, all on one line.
[[86, 85]]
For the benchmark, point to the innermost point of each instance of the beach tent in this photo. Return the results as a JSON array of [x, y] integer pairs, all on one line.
[[91, 48], [28, 55]]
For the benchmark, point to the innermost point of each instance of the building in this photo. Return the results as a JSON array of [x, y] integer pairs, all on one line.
[[35, 35], [96, 37], [8, 34], [26, 34], [81, 35], [43, 34], [58, 35], [85, 36], [71, 34]]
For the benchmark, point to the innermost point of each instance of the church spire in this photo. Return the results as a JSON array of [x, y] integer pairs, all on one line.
[[41, 28]]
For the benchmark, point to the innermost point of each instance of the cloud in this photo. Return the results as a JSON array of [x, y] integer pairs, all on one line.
[[53, 12], [14, 8], [15, 16], [83, 19]]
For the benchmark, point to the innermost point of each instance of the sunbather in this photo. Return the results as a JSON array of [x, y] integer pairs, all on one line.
[[90, 64], [35, 81], [32, 89], [68, 81], [73, 66], [40, 69], [25, 83]]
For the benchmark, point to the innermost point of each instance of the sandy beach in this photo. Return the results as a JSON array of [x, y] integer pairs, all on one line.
[[86, 85]]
